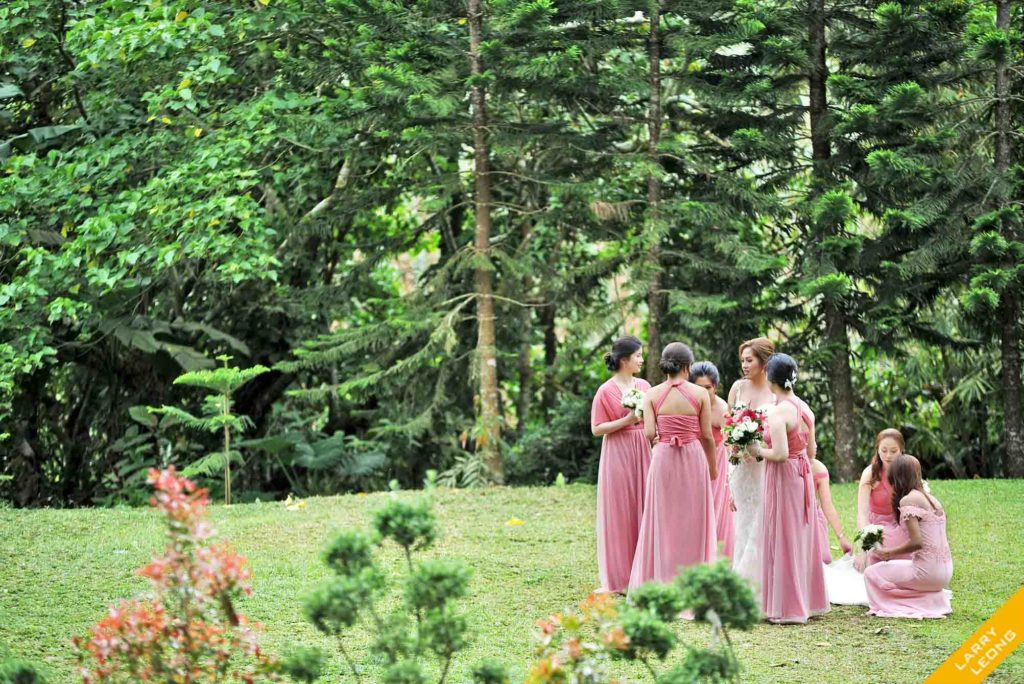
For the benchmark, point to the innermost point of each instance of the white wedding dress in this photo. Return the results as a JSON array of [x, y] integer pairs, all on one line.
[[746, 483], [845, 585]]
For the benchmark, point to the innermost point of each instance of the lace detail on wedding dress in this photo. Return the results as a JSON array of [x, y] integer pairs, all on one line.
[[746, 483]]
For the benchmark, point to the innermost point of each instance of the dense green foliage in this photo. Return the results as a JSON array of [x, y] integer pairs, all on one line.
[[293, 184]]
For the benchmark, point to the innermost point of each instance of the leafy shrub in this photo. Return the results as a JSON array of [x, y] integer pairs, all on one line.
[[187, 627], [425, 632], [580, 645]]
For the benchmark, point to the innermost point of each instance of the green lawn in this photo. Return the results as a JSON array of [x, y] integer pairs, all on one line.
[[60, 569]]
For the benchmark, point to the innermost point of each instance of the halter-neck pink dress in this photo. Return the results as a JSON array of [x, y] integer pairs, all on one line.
[[792, 575], [678, 526], [621, 479]]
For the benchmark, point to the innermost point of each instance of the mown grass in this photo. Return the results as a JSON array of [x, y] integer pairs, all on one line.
[[60, 569]]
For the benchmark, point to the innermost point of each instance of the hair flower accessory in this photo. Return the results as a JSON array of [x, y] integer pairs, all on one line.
[[791, 382]]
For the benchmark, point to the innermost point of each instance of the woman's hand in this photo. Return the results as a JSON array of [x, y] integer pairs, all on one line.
[[883, 553], [860, 561], [845, 545]]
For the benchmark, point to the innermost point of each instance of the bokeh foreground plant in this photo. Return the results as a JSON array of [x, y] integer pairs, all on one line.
[[186, 628]]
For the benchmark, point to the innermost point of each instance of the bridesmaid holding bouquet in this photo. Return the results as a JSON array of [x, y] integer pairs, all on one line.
[[792, 574], [874, 496], [625, 459]]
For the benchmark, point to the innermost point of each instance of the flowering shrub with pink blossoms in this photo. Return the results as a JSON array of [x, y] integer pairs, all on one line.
[[186, 628]]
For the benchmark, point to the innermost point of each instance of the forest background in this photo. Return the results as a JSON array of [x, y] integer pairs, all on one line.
[[427, 220]]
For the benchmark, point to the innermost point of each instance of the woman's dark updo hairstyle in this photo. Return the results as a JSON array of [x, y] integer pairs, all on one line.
[[674, 358], [781, 369], [704, 369], [622, 348]]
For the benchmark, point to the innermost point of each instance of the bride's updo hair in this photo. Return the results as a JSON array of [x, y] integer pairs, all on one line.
[[781, 371], [704, 369], [622, 348], [675, 358], [761, 347]]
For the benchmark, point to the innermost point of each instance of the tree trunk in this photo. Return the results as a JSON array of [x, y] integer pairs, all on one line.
[[547, 319], [1013, 407], [488, 440], [843, 405], [655, 299], [525, 398], [1003, 132], [837, 337], [1010, 305]]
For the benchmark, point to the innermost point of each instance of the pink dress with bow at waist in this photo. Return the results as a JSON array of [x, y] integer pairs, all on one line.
[[678, 526], [792, 574]]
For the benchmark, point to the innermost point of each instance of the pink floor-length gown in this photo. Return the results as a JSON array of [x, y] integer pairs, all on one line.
[[678, 526], [621, 478], [725, 530], [826, 552], [914, 588], [880, 513], [793, 577]]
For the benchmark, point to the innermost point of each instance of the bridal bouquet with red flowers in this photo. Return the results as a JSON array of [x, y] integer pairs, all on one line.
[[742, 427]]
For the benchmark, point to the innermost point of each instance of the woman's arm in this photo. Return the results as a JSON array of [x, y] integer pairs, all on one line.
[[864, 499], [913, 544], [779, 451], [650, 420], [812, 443], [602, 429], [825, 497], [707, 440], [734, 393]]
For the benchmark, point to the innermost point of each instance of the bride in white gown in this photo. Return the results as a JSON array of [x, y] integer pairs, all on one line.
[[746, 480]]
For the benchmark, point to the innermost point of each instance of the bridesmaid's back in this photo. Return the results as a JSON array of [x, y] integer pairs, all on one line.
[[675, 404]]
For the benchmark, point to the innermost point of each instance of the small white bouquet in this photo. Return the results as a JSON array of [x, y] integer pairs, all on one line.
[[634, 401], [869, 538]]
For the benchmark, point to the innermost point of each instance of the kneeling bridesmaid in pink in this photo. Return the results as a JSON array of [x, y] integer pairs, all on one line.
[[914, 588], [622, 473]]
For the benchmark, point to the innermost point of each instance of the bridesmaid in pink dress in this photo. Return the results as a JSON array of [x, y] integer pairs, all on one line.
[[706, 375], [622, 473], [678, 526], [792, 574], [874, 496], [826, 511], [912, 588]]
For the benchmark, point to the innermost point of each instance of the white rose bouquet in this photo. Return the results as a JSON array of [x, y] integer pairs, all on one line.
[[634, 401], [869, 538]]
